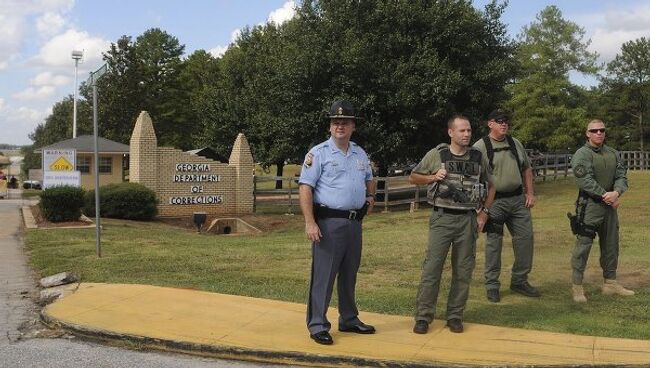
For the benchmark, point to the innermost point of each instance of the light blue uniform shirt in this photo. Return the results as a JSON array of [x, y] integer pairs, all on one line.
[[339, 179]]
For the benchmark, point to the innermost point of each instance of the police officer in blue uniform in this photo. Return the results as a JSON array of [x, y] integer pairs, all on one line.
[[336, 191]]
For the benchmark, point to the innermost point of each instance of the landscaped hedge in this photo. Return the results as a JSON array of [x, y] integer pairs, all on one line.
[[62, 203], [129, 201]]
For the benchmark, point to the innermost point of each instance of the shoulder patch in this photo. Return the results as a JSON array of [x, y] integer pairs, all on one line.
[[580, 171], [308, 160]]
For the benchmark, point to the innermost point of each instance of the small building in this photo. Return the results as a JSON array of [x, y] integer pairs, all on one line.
[[113, 159]]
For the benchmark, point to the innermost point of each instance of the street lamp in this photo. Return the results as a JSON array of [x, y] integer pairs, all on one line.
[[76, 56]]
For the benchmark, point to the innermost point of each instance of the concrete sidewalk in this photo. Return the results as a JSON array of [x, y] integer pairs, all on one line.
[[267, 330]]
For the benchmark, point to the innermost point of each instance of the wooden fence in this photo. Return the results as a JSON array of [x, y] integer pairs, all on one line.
[[397, 191]]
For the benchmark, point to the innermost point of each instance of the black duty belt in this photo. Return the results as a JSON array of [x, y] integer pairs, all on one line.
[[517, 192], [321, 212], [453, 211]]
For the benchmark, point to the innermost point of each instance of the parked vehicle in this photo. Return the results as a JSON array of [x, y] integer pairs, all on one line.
[[4, 192], [32, 184]]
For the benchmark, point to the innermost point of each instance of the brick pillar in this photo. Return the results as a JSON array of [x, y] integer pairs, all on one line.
[[242, 160], [143, 161]]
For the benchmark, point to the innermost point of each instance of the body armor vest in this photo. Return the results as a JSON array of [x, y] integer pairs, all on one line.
[[461, 189]]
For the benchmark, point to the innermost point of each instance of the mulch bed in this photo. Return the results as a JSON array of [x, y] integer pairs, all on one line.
[[41, 221]]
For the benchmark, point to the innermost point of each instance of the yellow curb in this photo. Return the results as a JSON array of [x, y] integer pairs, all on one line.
[[269, 330]]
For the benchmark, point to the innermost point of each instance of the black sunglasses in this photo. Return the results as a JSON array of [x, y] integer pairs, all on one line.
[[599, 130], [501, 121]]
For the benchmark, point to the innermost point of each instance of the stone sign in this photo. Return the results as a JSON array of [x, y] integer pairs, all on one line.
[[185, 183]]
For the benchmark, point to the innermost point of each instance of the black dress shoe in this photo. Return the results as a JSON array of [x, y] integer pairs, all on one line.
[[455, 325], [360, 328], [421, 327], [322, 337], [493, 295], [525, 289]]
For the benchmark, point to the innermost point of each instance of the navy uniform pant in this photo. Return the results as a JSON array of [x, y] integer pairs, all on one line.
[[338, 253]]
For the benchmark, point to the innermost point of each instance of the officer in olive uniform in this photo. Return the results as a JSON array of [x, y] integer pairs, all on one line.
[[513, 179], [336, 191], [458, 176], [601, 179]]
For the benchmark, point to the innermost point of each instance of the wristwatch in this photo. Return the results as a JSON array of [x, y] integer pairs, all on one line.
[[486, 210]]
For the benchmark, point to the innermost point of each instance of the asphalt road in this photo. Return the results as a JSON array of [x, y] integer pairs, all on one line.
[[25, 343]]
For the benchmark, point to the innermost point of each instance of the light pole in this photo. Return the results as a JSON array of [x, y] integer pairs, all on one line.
[[76, 56]]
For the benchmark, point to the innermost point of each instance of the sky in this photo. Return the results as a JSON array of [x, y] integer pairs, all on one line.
[[38, 36]]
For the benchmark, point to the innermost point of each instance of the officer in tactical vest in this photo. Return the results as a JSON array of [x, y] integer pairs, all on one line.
[[336, 192], [601, 179], [513, 179], [458, 176]]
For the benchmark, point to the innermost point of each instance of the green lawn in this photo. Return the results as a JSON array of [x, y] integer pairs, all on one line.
[[289, 171], [276, 264]]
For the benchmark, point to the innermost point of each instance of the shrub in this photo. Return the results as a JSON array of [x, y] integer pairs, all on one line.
[[62, 203], [129, 201]]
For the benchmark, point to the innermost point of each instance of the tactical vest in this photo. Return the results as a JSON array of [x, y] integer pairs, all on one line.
[[462, 188]]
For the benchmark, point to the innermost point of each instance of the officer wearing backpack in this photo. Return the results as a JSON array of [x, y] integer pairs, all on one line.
[[513, 178]]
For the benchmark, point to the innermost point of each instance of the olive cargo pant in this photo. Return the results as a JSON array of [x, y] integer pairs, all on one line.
[[512, 213], [446, 230], [604, 219]]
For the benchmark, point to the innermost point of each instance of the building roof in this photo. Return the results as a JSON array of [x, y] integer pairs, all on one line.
[[86, 144]]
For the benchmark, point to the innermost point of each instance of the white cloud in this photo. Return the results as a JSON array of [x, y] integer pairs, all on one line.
[[283, 14], [608, 43], [49, 24], [611, 29], [632, 19], [218, 51], [2, 103], [234, 35], [48, 78], [57, 51], [15, 16], [35, 93], [277, 16], [12, 30], [17, 123]]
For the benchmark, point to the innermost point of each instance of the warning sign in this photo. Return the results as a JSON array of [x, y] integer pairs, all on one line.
[[59, 159], [61, 164]]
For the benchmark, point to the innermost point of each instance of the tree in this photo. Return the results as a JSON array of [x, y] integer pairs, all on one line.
[[407, 66], [144, 75], [628, 77], [548, 110], [555, 46]]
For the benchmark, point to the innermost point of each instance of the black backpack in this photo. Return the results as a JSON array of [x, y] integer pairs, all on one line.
[[511, 147]]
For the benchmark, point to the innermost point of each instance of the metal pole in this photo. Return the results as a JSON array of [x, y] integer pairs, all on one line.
[[74, 104], [97, 224]]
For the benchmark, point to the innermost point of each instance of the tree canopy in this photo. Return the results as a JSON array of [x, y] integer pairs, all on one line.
[[548, 110]]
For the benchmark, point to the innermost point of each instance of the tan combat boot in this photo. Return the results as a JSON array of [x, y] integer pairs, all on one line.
[[611, 287], [579, 294]]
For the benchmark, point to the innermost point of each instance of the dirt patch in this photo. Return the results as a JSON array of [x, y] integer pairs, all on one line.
[[632, 279], [42, 222]]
